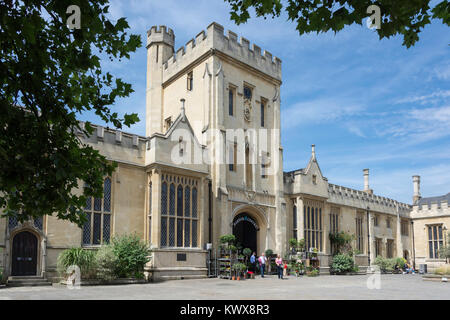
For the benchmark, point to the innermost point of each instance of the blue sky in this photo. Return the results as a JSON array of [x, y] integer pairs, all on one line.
[[365, 103]]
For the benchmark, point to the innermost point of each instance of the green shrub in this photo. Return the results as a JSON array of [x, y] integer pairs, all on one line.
[[269, 253], [247, 252], [83, 258], [342, 263], [132, 254], [400, 262], [227, 239], [107, 263], [313, 273], [389, 264]]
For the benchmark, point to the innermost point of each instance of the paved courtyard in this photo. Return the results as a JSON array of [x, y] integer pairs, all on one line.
[[322, 287]]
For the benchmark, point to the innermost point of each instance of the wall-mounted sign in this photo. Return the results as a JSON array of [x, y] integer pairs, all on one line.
[[245, 218]]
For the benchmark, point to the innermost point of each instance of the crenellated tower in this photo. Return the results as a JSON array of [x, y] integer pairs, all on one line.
[[160, 47]]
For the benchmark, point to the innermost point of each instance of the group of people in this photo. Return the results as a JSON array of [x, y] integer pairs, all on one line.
[[261, 262]]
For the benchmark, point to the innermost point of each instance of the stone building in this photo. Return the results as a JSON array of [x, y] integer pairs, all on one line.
[[211, 164]]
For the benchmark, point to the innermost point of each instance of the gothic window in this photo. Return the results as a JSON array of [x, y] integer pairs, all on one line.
[[12, 222], [359, 233], [294, 219], [388, 223], [262, 113], [378, 247], [313, 225], [390, 249], [232, 156], [38, 223], [190, 81], [247, 93], [179, 229], [435, 241], [334, 226], [97, 228], [231, 102], [404, 227]]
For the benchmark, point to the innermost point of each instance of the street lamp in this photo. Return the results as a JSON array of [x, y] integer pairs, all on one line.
[[414, 248], [368, 235]]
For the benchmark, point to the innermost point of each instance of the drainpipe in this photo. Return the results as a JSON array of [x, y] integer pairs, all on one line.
[[368, 236], [414, 247], [210, 211]]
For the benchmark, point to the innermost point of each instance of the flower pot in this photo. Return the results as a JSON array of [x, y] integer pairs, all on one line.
[[233, 278], [238, 278]]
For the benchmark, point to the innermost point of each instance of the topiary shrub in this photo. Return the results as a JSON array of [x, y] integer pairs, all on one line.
[[342, 263], [83, 258], [269, 253], [132, 254], [107, 263]]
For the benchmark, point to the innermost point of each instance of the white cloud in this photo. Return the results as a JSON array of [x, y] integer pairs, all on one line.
[[318, 111]]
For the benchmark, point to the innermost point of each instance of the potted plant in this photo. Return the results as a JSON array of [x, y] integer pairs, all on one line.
[[269, 254], [239, 269], [293, 244]]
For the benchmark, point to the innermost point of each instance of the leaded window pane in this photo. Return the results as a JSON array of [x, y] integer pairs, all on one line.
[[194, 233], [163, 232], [230, 102], [87, 229], [180, 201], [12, 222], [98, 204], [172, 200], [194, 202], [106, 227], [97, 228], [88, 203], [262, 114], [164, 199], [187, 231], [38, 223], [187, 202], [179, 232], [294, 217], [107, 195], [172, 232]]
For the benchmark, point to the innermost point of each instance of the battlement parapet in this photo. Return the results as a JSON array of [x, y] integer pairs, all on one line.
[[160, 34], [215, 39], [347, 196]]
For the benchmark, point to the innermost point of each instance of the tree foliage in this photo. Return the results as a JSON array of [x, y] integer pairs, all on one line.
[[405, 18], [48, 75]]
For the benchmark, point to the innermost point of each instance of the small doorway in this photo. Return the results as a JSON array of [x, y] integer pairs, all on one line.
[[406, 255], [24, 254], [245, 230]]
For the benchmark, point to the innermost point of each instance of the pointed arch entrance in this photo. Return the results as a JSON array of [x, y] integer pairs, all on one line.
[[24, 254], [245, 229]]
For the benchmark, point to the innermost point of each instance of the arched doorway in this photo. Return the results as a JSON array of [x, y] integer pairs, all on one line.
[[406, 255], [24, 254], [245, 230]]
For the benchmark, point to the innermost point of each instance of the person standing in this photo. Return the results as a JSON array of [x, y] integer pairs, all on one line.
[[262, 263], [253, 262], [279, 263]]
